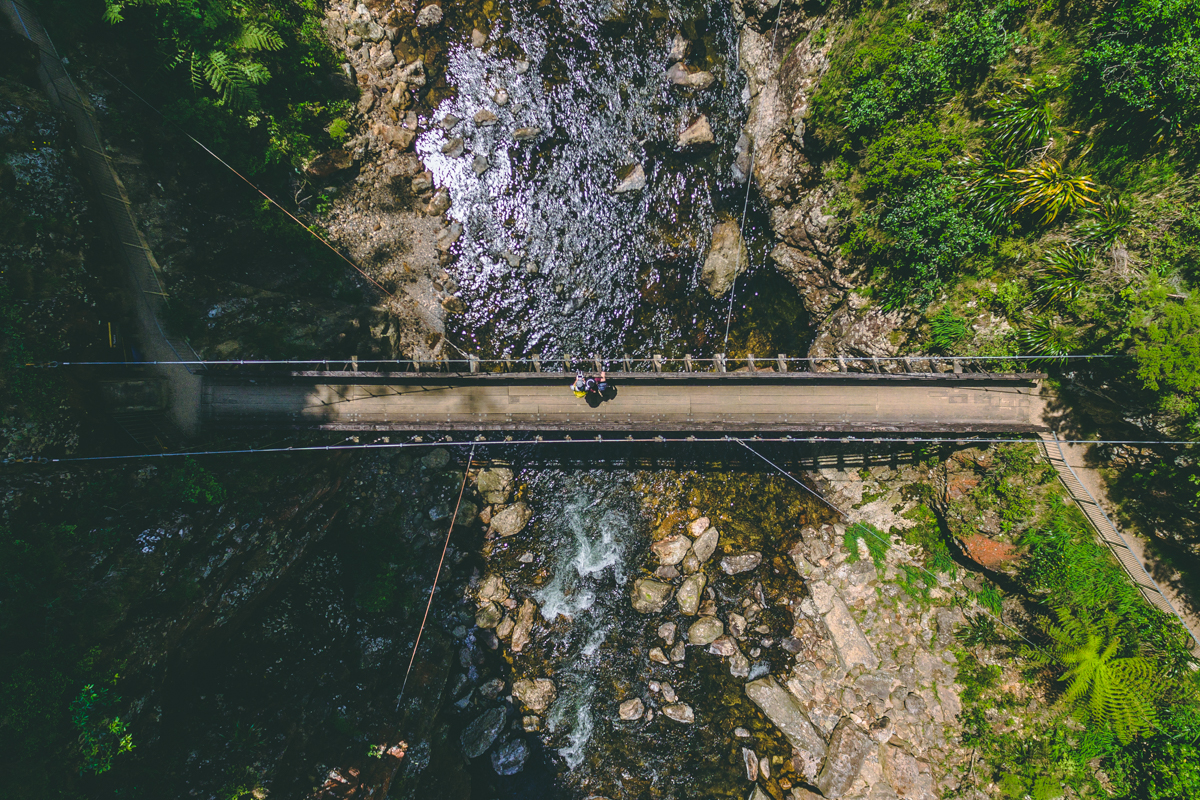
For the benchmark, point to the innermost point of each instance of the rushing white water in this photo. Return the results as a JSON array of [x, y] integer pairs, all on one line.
[[588, 578]]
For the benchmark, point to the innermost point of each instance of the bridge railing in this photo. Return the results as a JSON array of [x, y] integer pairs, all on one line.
[[634, 365]]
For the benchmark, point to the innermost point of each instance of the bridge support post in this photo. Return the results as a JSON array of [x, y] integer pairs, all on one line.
[[474, 362], [596, 363], [687, 363], [875, 365], [628, 363], [537, 362], [719, 362], [658, 362], [354, 363], [750, 362], [841, 364], [567, 362], [958, 366], [782, 359]]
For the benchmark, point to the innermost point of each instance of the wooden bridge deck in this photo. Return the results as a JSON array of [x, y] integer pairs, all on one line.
[[642, 403]]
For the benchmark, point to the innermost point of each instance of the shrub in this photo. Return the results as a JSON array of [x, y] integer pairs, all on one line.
[[102, 734], [1064, 274], [1021, 122], [192, 484], [947, 329], [1168, 349], [1051, 190]]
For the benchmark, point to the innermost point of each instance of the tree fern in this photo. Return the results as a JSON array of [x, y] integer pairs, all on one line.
[[1107, 688], [254, 36]]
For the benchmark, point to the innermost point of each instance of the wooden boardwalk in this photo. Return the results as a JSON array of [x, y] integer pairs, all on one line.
[[733, 403]]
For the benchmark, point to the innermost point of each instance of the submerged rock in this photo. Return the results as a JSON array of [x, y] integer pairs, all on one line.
[[750, 759], [705, 631], [494, 588], [631, 709], [727, 258], [536, 694], [454, 147], [429, 16], [527, 133], [698, 526], [658, 656], [781, 707], [488, 616], [679, 48], [733, 565], [650, 596], [688, 597], [848, 749], [510, 759], [512, 520], [690, 563], [696, 134], [678, 652], [485, 118], [671, 550], [478, 736], [666, 632]]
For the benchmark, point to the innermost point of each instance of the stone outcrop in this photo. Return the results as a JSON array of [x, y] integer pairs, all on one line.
[[848, 749], [858, 331], [727, 258], [786, 714], [852, 647]]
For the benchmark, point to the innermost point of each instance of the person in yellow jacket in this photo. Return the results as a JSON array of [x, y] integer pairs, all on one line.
[[579, 387]]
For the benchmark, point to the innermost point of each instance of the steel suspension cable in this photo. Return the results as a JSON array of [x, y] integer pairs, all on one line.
[[436, 575]]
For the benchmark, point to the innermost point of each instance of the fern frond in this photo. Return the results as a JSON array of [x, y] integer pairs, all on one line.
[[256, 73], [226, 78], [254, 36], [112, 13]]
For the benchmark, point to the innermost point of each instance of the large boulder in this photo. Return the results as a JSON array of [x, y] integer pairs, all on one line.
[[848, 748], [536, 694], [671, 550], [743, 562], [478, 736], [781, 707], [697, 134], [727, 258], [509, 759], [689, 77], [328, 163], [524, 626], [512, 520], [706, 544], [495, 483], [688, 596], [705, 631], [650, 596], [494, 588]]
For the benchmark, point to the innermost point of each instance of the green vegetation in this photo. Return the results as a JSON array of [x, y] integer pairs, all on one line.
[[1117, 670], [102, 734]]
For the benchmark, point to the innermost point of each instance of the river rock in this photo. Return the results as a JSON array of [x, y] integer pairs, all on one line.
[[430, 16], [671, 550], [449, 121], [679, 48], [386, 59], [495, 484], [536, 694], [737, 625], [690, 563], [488, 616], [328, 163], [650, 596], [668, 693], [785, 712], [680, 712], [478, 38], [512, 520], [478, 736], [733, 565], [667, 573], [631, 709], [500, 98], [494, 588], [706, 544], [705, 631], [505, 628], [480, 165], [727, 258], [527, 133], [411, 75], [739, 665], [698, 526], [666, 632], [454, 147], [485, 118], [397, 136], [634, 180], [440, 202], [509, 759], [911, 778], [688, 596], [689, 77], [524, 626], [696, 134], [448, 235], [678, 652], [848, 749], [750, 759], [658, 656], [422, 183], [723, 646], [852, 647]]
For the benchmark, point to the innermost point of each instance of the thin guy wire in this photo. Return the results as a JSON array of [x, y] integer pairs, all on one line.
[[746, 202], [862, 527], [962, 440], [436, 576]]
